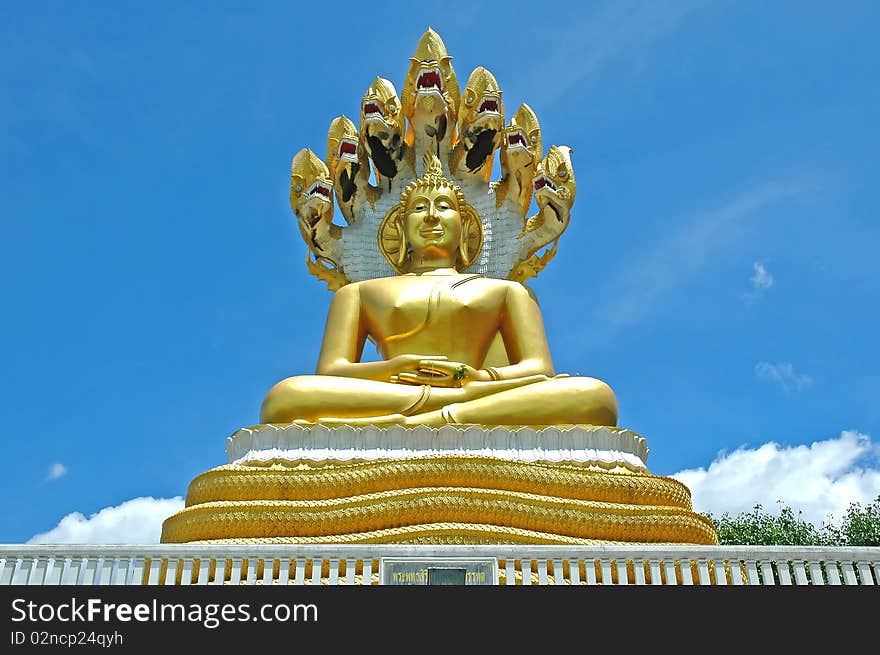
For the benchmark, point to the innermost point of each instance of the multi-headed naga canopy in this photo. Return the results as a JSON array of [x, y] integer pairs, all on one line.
[[371, 165]]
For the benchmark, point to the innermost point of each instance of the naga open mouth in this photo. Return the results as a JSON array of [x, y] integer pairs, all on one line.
[[347, 150], [430, 79], [517, 140], [320, 190], [488, 105], [542, 181], [373, 110]]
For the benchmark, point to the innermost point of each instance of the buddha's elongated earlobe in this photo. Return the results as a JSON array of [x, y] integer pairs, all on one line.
[[401, 254], [463, 242], [471, 242]]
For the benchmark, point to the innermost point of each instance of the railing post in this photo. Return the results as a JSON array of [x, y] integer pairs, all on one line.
[[350, 564], [558, 572], [235, 571], [671, 577], [816, 575], [54, 569], [186, 571], [720, 572], [253, 563], [800, 572], [752, 572], [833, 573], [865, 573], [848, 574], [703, 571], [656, 574], [136, 573], [22, 570], [526, 571], [622, 575], [542, 572], [121, 575], [639, 570], [89, 574], [268, 570], [767, 573], [736, 575], [687, 575], [510, 571], [37, 575], [171, 571]]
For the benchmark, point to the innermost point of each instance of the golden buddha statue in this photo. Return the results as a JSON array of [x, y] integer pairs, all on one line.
[[434, 327], [462, 433]]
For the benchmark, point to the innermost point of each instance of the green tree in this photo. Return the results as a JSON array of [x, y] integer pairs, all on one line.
[[860, 526]]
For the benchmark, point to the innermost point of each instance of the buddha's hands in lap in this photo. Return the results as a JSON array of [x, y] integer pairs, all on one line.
[[435, 370]]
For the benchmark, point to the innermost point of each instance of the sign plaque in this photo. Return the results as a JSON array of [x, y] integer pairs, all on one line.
[[438, 571]]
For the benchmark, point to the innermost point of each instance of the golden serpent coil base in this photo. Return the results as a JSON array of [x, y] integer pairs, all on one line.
[[435, 500]]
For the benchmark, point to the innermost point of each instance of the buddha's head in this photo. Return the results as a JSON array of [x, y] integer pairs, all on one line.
[[432, 223]]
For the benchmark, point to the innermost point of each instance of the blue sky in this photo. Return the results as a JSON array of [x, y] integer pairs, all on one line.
[[720, 270]]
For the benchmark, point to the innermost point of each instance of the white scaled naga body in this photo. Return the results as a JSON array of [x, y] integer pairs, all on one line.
[[464, 129]]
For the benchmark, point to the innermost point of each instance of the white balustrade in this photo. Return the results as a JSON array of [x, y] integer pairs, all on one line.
[[173, 564]]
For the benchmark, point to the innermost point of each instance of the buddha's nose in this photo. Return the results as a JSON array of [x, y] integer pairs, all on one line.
[[431, 217]]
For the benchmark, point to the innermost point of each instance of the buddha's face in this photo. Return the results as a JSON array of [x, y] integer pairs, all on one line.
[[432, 221]]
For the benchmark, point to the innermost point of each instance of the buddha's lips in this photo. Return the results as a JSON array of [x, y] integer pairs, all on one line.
[[517, 138], [543, 181], [372, 109], [347, 149], [319, 189], [430, 79], [432, 233], [489, 104]]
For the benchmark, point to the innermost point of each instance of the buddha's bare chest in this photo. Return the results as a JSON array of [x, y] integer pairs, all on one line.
[[452, 306]]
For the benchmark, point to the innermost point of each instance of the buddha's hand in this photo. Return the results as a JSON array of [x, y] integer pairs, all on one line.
[[436, 371]]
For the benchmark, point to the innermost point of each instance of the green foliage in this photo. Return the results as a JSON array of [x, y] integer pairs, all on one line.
[[858, 527], [861, 527]]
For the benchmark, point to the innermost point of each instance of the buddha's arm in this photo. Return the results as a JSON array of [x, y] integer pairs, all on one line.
[[522, 329]]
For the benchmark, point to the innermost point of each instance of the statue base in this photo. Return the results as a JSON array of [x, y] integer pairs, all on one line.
[[459, 484]]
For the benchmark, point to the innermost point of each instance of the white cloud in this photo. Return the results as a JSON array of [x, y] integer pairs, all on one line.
[[760, 282], [821, 479], [136, 521], [56, 471], [762, 278], [783, 375]]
